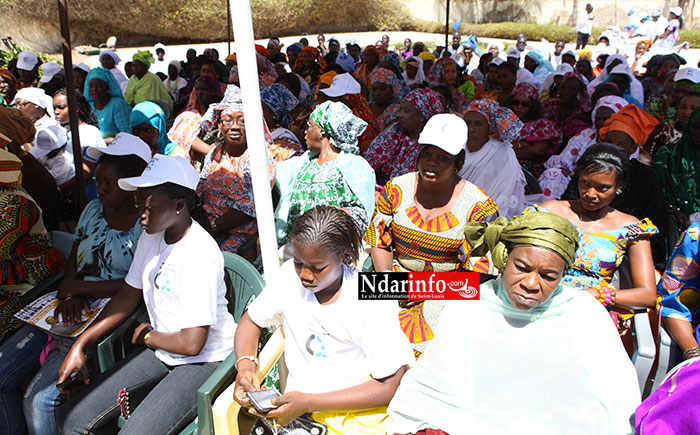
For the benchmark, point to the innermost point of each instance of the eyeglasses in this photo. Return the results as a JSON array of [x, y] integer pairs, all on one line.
[[230, 121]]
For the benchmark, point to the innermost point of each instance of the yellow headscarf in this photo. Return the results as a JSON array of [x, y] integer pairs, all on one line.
[[540, 229], [145, 57]]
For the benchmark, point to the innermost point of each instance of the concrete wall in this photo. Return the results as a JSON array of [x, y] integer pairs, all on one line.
[[607, 12]]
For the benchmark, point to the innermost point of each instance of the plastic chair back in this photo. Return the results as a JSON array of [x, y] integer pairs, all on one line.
[[243, 283], [532, 182]]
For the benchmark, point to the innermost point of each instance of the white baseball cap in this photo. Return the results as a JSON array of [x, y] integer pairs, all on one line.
[[49, 71], [688, 73], [677, 11], [656, 12], [496, 61], [513, 52], [562, 69], [342, 84], [81, 66], [163, 169], [27, 60], [124, 144], [48, 139], [445, 131]]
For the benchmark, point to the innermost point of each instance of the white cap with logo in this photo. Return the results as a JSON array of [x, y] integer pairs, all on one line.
[[445, 131], [49, 71], [688, 73], [48, 139], [164, 169], [124, 144], [342, 84], [27, 60]]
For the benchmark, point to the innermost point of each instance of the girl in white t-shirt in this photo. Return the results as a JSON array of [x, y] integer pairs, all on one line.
[[178, 271], [345, 357]]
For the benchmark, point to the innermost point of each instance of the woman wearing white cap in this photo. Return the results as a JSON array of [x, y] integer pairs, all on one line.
[[419, 219], [103, 249], [672, 33], [36, 106], [190, 329]]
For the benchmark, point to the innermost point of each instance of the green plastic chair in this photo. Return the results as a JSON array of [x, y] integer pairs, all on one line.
[[243, 284]]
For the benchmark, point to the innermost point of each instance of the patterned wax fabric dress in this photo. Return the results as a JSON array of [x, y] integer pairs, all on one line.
[[600, 254]]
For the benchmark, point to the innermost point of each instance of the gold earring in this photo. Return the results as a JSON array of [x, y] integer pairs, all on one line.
[[619, 191]]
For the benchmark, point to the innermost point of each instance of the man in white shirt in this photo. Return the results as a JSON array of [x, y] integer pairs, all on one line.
[[584, 26], [555, 56]]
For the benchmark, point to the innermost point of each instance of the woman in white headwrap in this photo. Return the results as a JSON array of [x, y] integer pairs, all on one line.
[[414, 74], [490, 162]]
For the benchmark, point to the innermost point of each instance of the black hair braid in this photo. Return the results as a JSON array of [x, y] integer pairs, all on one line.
[[331, 228]]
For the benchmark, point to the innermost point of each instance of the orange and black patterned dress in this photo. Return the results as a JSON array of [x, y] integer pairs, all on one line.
[[425, 246], [436, 245]]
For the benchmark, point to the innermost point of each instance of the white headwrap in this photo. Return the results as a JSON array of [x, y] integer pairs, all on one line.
[[111, 54], [420, 74], [36, 96]]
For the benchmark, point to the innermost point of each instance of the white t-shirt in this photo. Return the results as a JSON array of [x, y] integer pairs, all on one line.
[[183, 287], [336, 346], [585, 22]]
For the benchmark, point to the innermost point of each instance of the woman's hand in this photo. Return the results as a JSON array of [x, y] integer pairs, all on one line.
[[139, 332], [290, 406], [593, 292], [245, 382], [67, 288], [71, 310], [74, 362]]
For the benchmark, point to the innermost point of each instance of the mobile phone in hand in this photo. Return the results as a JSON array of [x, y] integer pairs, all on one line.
[[74, 380], [262, 399]]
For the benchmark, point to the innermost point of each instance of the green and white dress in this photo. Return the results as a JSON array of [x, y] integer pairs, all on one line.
[[346, 182]]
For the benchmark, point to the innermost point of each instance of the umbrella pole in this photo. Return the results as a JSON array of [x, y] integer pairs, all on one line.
[[255, 132], [447, 27], [72, 109]]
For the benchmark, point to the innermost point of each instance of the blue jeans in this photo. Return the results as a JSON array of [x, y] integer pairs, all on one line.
[[170, 401], [42, 397], [19, 361]]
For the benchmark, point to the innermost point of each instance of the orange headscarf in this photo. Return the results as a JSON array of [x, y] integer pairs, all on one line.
[[631, 120], [326, 79], [299, 64]]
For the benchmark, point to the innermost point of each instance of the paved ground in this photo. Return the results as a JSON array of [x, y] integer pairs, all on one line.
[[365, 38]]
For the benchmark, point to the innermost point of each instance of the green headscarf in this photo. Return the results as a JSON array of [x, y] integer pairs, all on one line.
[[340, 124], [145, 57], [678, 166], [540, 229]]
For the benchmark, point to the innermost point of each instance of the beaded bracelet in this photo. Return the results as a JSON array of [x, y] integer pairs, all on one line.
[[691, 353], [606, 295]]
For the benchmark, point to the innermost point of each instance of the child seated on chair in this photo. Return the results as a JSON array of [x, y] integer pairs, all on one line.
[[345, 357]]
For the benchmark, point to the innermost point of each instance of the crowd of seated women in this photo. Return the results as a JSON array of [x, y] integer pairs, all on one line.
[[542, 179]]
